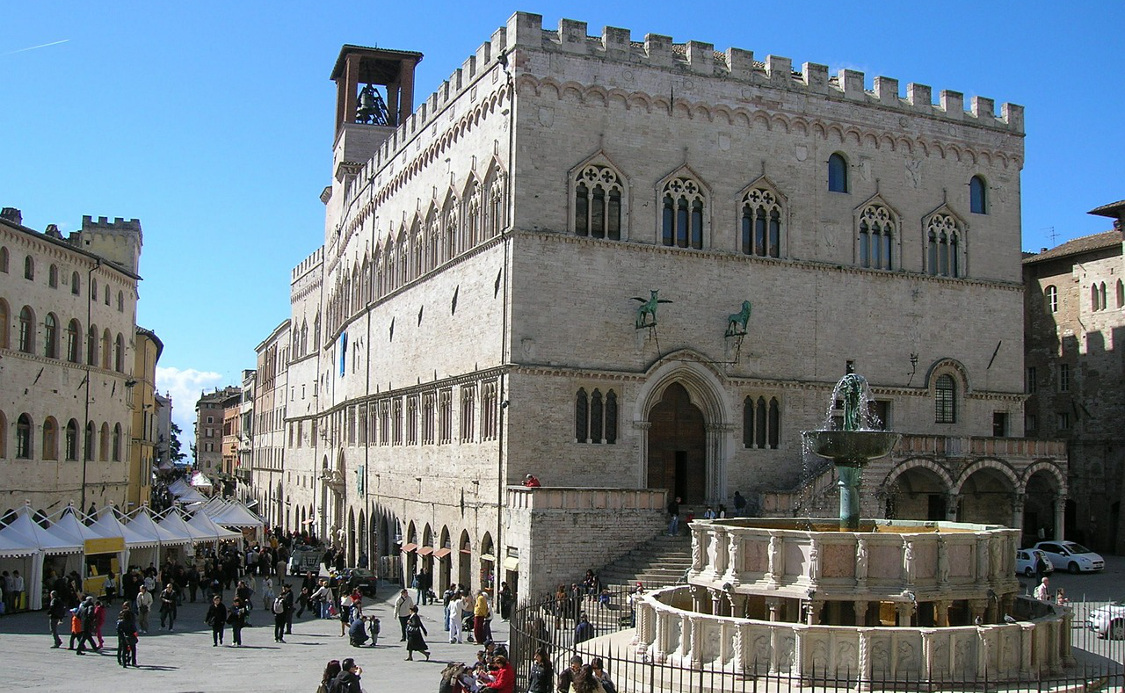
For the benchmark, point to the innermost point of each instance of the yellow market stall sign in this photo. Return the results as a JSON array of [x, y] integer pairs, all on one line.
[[108, 545]]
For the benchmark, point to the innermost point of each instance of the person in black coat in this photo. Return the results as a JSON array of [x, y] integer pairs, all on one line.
[[126, 636], [217, 619], [347, 681], [541, 678], [415, 630], [237, 617]]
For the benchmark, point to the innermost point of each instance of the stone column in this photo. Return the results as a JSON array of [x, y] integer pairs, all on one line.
[[1027, 634], [952, 505], [864, 672], [903, 613], [941, 613], [717, 602], [928, 654], [798, 669], [776, 559], [695, 642], [860, 607], [814, 607], [642, 428], [698, 600], [1060, 516], [774, 606], [1018, 502], [660, 642]]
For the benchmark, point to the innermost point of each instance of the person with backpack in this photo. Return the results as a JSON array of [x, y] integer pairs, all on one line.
[[216, 618], [281, 609], [126, 636]]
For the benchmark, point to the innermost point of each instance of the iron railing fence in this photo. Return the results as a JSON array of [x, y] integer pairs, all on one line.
[[550, 623]]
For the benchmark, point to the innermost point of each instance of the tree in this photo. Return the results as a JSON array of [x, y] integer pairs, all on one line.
[[174, 450]]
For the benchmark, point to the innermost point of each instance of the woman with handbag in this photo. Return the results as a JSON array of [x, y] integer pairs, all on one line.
[[415, 630]]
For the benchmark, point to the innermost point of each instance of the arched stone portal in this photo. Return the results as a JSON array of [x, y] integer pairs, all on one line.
[[677, 446], [987, 491], [917, 490]]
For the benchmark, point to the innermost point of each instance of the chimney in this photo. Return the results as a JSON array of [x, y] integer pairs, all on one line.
[[12, 214]]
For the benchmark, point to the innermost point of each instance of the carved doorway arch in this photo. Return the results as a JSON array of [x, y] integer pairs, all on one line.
[[677, 446]]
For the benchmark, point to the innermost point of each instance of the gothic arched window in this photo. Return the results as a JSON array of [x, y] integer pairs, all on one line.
[[877, 230], [762, 220], [683, 213], [837, 173], [944, 244], [598, 193]]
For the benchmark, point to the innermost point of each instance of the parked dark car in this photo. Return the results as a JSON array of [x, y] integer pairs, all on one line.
[[362, 579]]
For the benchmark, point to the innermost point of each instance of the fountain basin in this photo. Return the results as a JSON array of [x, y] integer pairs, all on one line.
[[855, 447]]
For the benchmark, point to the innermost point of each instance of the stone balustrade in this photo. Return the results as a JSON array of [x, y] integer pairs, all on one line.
[[668, 632], [572, 498], [931, 561]]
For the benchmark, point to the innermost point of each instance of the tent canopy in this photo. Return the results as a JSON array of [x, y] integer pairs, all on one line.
[[174, 523], [26, 533], [68, 528], [231, 514], [144, 525], [205, 524], [10, 548], [109, 525]]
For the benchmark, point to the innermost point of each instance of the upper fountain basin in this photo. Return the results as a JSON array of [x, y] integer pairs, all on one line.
[[851, 446]]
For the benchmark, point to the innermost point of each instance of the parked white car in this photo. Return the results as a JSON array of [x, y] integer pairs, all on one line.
[[1074, 558], [1108, 621], [1026, 559]]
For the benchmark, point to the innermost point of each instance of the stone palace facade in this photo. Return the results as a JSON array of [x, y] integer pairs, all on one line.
[[637, 269]]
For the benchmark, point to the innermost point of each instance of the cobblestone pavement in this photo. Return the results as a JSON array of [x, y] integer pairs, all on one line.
[[184, 660]]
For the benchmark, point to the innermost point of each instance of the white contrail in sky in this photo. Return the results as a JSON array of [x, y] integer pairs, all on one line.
[[31, 48]]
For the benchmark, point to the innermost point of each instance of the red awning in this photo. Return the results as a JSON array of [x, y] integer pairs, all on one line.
[[408, 548], [442, 553], [467, 552], [425, 550]]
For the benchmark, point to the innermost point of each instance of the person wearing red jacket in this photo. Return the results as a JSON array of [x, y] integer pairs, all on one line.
[[504, 678]]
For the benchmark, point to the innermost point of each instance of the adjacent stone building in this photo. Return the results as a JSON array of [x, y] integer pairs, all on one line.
[[636, 269], [1074, 319], [210, 413], [67, 363], [145, 406], [268, 444]]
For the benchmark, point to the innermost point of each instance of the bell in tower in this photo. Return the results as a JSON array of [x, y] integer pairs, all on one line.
[[359, 71], [372, 109]]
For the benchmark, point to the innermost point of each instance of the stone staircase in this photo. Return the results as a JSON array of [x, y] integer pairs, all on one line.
[[660, 561]]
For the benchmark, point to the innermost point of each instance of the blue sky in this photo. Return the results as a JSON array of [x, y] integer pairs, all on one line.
[[211, 122]]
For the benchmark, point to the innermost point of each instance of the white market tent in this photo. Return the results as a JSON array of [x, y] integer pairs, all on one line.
[[173, 521], [109, 525], [9, 548], [26, 534], [184, 493], [233, 515], [143, 523], [205, 524], [68, 528]]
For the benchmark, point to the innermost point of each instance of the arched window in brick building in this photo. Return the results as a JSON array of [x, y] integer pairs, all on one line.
[[73, 341], [945, 399], [761, 423], [944, 244], [4, 343], [837, 173], [70, 449], [598, 194], [4, 259], [581, 416], [53, 277], [762, 222], [50, 439], [51, 336], [75, 283], [878, 229], [27, 330], [29, 268], [1051, 299], [23, 437], [595, 417], [683, 212], [978, 195], [117, 442]]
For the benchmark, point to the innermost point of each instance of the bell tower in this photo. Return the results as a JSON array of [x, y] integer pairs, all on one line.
[[360, 72]]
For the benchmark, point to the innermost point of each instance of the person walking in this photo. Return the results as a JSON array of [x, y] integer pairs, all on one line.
[[1043, 591], [126, 636], [56, 611], [216, 618], [480, 613], [287, 597], [279, 619], [87, 620], [453, 618], [144, 606], [415, 630], [168, 607], [99, 622], [236, 617], [402, 610]]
